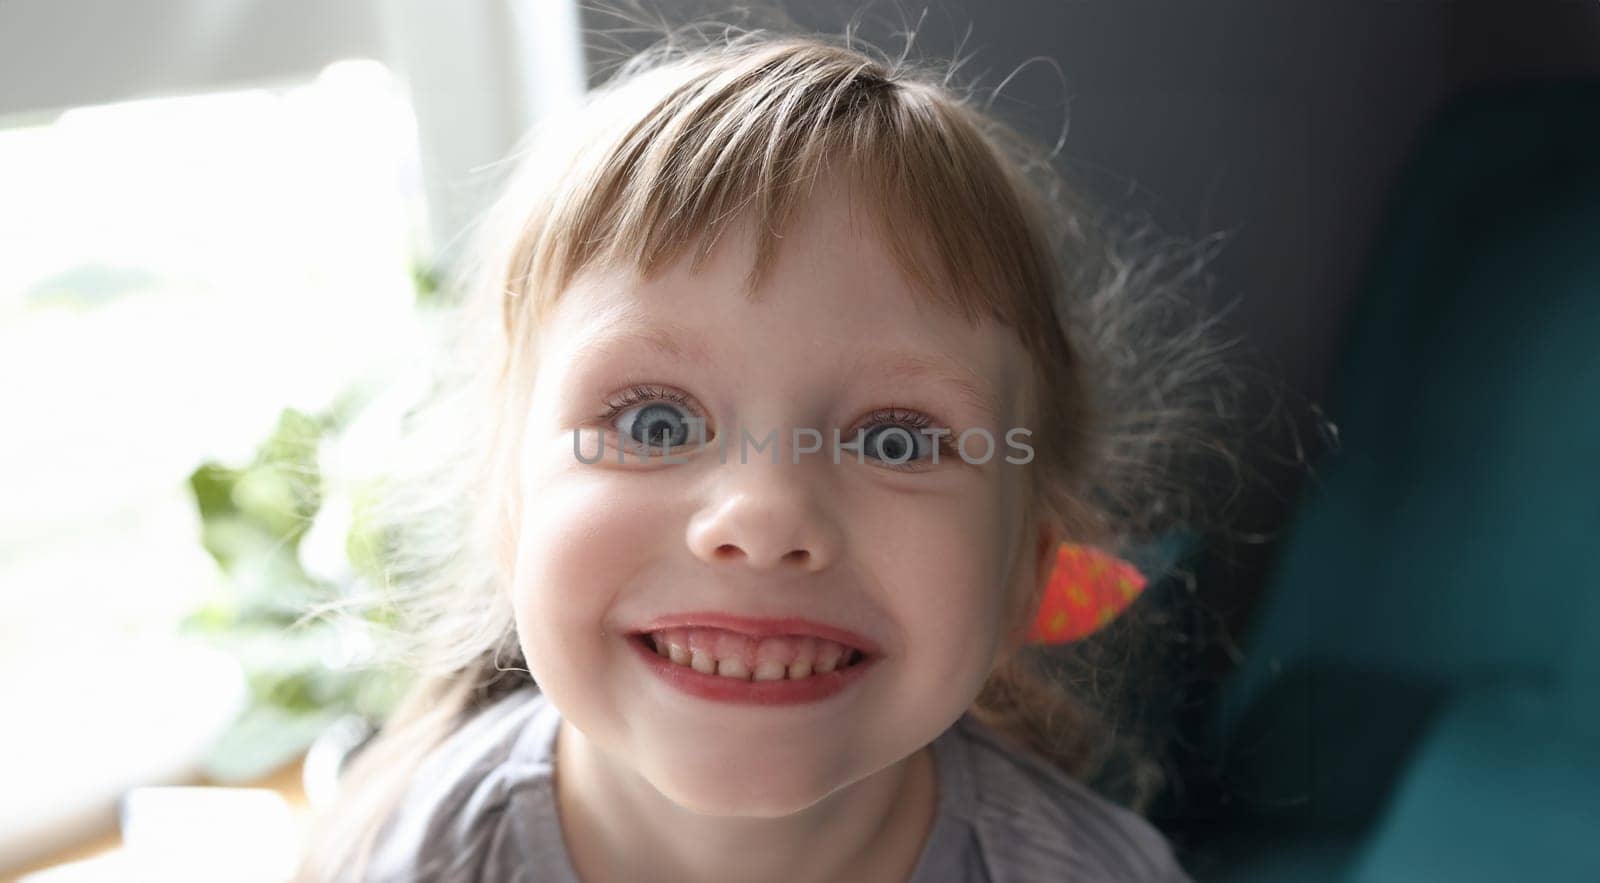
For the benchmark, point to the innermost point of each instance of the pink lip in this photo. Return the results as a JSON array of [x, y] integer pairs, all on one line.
[[764, 628]]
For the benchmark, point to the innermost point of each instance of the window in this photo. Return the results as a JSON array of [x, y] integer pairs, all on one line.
[[177, 272]]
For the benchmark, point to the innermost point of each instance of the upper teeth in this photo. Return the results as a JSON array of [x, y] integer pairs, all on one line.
[[732, 655]]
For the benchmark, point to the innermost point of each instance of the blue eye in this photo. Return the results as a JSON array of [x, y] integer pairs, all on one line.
[[892, 443], [896, 439], [659, 425]]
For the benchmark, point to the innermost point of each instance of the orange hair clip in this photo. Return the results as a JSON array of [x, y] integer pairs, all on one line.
[[1087, 589]]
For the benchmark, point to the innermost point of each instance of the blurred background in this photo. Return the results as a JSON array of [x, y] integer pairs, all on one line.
[[222, 224]]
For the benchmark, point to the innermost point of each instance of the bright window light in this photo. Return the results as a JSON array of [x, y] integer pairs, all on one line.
[[176, 273]]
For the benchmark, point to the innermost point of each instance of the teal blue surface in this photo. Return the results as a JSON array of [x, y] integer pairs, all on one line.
[[1422, 662], [1507, 787]]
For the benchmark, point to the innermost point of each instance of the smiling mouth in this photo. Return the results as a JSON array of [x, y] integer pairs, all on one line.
[[736, 656]]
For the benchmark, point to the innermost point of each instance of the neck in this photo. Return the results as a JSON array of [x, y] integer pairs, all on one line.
[[618, 827]]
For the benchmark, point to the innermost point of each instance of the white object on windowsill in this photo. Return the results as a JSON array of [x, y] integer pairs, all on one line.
[[104, 718], [193, 834], [202, 834]]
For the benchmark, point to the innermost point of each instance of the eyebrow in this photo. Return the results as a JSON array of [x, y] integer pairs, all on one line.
[[678, 341], [976, 395], [667, 338]]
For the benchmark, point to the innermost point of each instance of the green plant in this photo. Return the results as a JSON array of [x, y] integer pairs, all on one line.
[[298, 667], [254, 518]]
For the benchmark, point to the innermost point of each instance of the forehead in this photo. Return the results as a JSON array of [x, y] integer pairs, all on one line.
[[835, 298]]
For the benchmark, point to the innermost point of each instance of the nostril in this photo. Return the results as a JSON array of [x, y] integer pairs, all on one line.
[[730, 551]]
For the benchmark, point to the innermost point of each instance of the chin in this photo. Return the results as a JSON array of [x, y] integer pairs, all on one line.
[[766, 786]]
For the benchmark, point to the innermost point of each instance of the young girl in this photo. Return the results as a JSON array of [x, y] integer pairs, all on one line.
[[788, 384]]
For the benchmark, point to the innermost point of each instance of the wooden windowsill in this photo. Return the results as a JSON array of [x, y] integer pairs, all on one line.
[[286, 781]]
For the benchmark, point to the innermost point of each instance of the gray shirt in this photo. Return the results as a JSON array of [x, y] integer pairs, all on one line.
[[482, 808]]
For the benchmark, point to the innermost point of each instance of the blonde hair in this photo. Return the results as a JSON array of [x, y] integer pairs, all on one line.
[[697, 134]]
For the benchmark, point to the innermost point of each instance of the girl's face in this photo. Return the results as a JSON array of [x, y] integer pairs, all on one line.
[[921, 563]]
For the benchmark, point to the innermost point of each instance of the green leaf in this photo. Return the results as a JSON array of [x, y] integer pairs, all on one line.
[[260, 741], [213, 489]]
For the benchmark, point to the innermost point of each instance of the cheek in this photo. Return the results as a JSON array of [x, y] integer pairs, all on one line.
[[579, 544], [945, 566]]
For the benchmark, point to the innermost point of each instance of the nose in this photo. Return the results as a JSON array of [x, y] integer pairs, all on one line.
[[765, 516]]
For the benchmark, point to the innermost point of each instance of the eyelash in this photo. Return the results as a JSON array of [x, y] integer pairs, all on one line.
[[892, 416], [640, 393]]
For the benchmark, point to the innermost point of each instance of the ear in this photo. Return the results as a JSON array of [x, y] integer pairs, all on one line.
[[1046, 538]]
